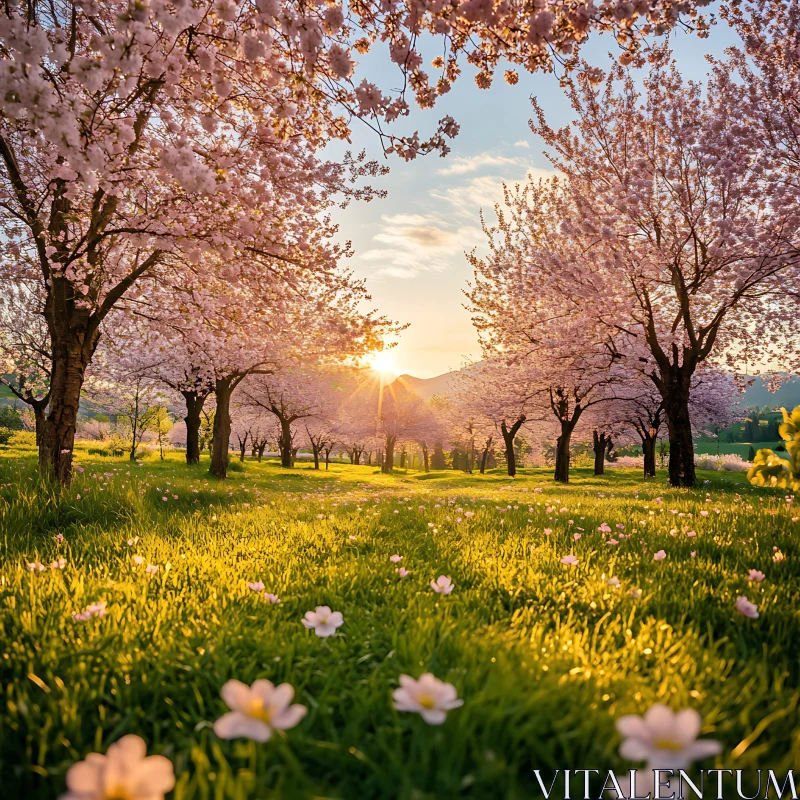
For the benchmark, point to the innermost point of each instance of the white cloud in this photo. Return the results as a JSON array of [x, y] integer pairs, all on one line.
[[463, 165], [522, 143], [397, 272], [414, 243], [467, 199]]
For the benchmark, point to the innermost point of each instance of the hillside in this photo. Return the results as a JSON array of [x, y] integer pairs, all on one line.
[[757, 394], [426, 387]]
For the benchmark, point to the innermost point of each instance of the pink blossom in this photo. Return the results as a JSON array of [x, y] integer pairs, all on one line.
[[442, 585], [745, 607]]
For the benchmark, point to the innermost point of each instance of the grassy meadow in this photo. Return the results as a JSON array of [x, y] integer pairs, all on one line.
[[545, 655]]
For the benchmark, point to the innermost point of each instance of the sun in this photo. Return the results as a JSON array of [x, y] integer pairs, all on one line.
[[382, 362]]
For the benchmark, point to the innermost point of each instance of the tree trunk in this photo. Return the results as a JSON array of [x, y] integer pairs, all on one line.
[[681, 446], [508, 438], [39, 420], [194, 408], [600, 444], [485, 454], [315, 451], [134, 428], [369, 458], [562, 453], [242, 448], [403, 458], [262, 446], [469, 458], [327, 457], [222, 428], [388, 458], [649, 452], [72, 347], [599, 461], [425, 461], [285, 443]]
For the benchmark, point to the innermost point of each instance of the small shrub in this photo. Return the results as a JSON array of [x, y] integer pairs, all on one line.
[[5, 435], [10, 418], [23, 439]]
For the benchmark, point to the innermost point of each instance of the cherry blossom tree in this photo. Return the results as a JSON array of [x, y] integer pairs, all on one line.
[[493, 394], [686, 236], [152, 342], [134, 400], [402, 416], [654, 246], [297, 396], [125, 155]]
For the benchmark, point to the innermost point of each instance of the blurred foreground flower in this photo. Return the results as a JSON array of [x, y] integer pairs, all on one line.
[[256, 586], [429, 696], [443, 585], [744, 606], [323, 621], [93, 610], [570, 560], [126, 771], [257, 710], [665, 739]]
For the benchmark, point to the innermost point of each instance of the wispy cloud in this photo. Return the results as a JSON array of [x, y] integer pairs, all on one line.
[[466, 164], [483, 192], [522, 143], [414, 243]]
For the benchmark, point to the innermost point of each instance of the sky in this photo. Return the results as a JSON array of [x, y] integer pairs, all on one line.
[[410, 246]]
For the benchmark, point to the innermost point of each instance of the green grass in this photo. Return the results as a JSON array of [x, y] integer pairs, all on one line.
[[545, 656]]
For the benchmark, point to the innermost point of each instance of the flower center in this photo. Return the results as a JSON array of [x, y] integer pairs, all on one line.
[[117, 792], [669, 744], [257, 710], [425, 701]]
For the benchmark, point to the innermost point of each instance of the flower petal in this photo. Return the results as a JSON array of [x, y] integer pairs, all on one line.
[[263, 689], [85, 776], [155, 776], [281, 697], [661, 722], [433, 716], [235, 694], [687, 725], [289, 717], [633, 727], [703, 748], [236, 725], [634, 750]]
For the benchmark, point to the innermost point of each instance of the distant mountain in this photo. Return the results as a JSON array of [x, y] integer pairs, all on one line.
[[426, 387], [787, 396]]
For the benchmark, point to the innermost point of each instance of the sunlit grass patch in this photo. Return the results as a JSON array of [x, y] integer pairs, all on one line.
[[546, 656]]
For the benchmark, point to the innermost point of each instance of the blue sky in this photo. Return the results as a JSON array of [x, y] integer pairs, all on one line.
[[410, 246]]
